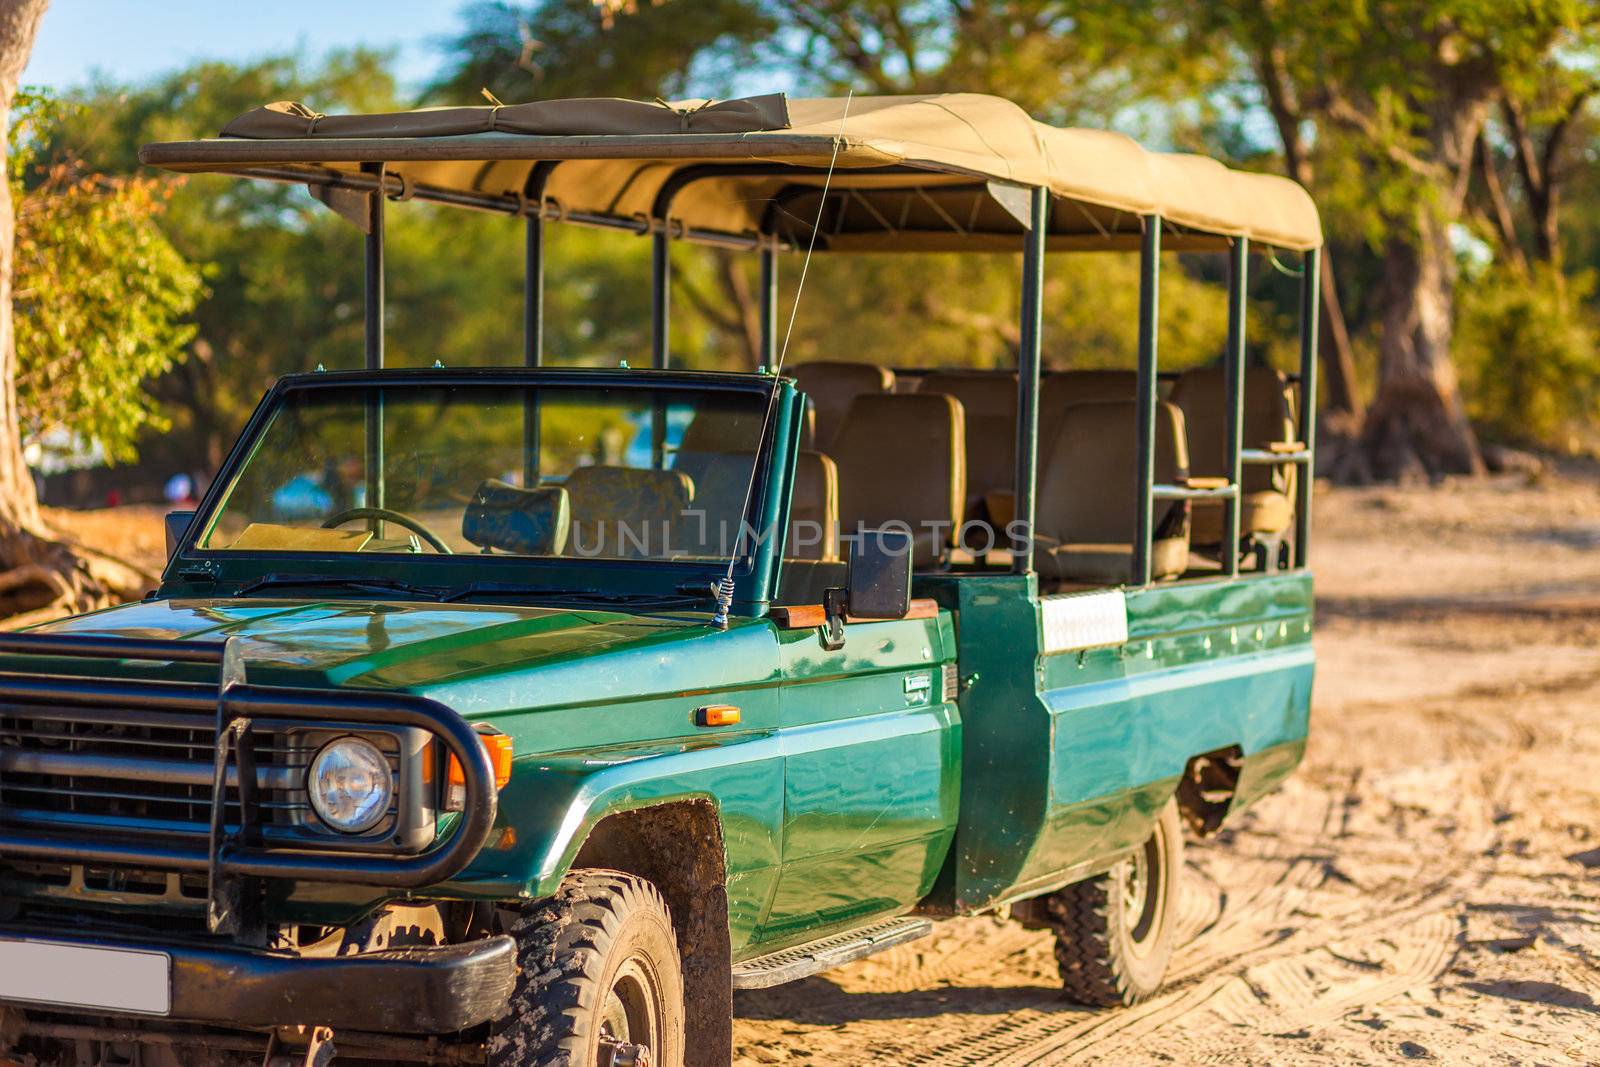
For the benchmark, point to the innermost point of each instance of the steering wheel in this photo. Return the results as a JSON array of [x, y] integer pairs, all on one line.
[[399, 519]]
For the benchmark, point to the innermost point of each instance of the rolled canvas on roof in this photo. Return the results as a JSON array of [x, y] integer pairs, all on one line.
[[596, 116], [618, 153]]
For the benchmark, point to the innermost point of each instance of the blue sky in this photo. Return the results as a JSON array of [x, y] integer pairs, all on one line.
[[132, 39]]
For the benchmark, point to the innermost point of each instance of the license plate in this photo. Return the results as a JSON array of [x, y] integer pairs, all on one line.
[[79, 976]]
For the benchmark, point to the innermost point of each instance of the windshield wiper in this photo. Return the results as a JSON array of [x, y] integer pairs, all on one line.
[[581, 596], [341, 581]]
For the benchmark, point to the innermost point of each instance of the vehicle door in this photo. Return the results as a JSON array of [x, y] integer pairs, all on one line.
[[871, 744]]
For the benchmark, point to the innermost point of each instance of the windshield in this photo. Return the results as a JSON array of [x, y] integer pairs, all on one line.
[[497, 468]]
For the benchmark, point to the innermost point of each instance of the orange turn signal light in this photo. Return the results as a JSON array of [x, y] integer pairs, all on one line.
[[716, 715], [496, 744]]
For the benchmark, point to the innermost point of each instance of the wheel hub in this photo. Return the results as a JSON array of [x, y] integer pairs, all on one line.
[[623, 1054]]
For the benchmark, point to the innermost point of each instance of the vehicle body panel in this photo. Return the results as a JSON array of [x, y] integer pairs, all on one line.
[[1070, 755]]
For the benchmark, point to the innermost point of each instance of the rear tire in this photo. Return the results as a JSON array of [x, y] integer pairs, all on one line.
[[600, 979], [1114, 933]]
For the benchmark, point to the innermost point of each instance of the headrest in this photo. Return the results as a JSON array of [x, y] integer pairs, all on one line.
[[528, 522], [982, 395]]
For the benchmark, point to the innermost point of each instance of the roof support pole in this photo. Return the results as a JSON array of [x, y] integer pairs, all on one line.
[[1032, 327], [660, 296], [374, 341], [1310, 307], [374, 297], [533, 293], [1233, 377], [533, 275], [769, 308], [533, 310], [1149, 321]]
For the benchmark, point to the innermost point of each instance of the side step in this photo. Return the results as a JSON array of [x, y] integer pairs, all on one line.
[[801, 961]]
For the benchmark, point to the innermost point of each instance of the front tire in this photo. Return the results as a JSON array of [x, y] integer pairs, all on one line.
[[601, 982], [1114, 933]]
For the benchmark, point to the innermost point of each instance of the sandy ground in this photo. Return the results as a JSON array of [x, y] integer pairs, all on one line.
[[1426, 888]]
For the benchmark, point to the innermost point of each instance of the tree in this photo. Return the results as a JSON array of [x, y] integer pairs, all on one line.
[[1260, 35], [1394, 94], [41, 575], [101, 298]]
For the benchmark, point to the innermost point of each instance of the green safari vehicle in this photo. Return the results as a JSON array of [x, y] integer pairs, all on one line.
[[518, 715]]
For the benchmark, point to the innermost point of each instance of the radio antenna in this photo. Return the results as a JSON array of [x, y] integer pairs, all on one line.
[[725, 588]]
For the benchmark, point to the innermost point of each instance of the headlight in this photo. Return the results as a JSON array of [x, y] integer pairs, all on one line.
[[350, 785]]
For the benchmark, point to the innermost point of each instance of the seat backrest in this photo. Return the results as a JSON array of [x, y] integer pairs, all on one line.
[[980, 394], [902, 459], [528, 522], [814, 509], [832, 386], [990, 403], [1063, 389], [1086, 490], [714, 430], [720, 480], [1268, 417], [626, 512]]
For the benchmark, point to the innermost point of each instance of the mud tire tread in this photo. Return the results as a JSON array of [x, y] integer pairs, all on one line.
[[562, 944], [1085, 925], [1092, 948]]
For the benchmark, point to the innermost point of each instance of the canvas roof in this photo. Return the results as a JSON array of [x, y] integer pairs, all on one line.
[[912, 172]]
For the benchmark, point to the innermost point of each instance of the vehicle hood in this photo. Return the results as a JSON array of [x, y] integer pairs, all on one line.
[[470, 655]]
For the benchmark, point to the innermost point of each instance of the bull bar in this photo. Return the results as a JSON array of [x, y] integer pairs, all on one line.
[[229, 857]]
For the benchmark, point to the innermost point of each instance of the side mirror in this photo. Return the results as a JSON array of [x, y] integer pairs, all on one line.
[[177, 525], [879, 585], [880, 574]]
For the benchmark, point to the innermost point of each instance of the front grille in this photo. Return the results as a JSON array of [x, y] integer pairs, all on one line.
[[124, 769]]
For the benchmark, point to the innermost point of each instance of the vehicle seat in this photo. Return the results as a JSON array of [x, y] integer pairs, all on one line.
[[1063, 389], [719, 483], [811, 553], [1087, 501], [1058, 391], [902, 459], [625, 512], [990, 404], [1266, 503], [528, 522], [832, 386], [712, 430]]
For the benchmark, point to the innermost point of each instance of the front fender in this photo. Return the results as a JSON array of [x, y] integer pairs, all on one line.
[[553, 801]]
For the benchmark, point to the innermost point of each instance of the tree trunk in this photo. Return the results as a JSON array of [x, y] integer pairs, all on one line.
[[1417, 427], [19, 503], [43, 577]]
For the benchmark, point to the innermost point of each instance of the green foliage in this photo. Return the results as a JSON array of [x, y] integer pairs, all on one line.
[[559, 48], [101, 297], [1529, 354]]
